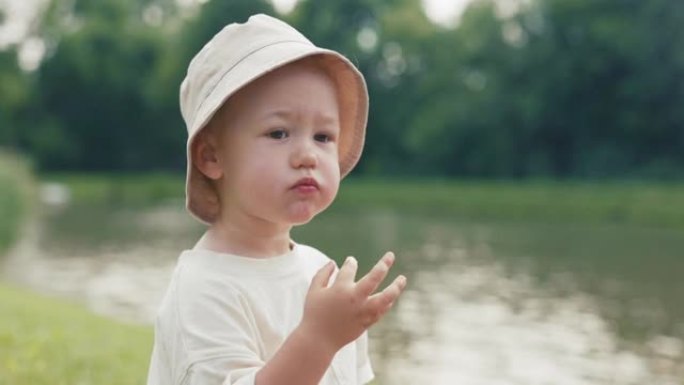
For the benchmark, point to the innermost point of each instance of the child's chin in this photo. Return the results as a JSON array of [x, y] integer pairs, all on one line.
[[300, 222], [302, 215], [301, 219]]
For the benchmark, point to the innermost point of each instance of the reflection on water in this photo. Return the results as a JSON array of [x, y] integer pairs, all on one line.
[[487, 303], [475, 323], [117, 261]]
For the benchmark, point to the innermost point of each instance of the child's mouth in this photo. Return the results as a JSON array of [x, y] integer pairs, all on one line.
[[306, 185]]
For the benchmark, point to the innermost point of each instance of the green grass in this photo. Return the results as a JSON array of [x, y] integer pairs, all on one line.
[[656, 204], [45, 341], [642, 203], [128, 189], [50, 341], [15, 195]]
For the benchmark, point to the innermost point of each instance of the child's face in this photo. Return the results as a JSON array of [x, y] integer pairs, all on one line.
[[280, 130]]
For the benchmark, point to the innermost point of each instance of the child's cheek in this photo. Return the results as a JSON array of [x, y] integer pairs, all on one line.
[[333, 185]]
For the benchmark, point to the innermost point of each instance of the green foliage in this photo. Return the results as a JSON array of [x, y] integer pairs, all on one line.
[[121, 189], [559, 88], [535, 200], [16, 191], [92, 92], [48, 341], [639, 203], [14, 90]]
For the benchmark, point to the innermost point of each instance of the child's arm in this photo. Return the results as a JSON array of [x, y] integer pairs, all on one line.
[[334, 316]]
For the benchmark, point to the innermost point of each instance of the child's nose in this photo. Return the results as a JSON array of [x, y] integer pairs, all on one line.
[[304, 156]]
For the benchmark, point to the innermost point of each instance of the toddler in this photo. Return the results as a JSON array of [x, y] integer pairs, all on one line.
[[274, 123]]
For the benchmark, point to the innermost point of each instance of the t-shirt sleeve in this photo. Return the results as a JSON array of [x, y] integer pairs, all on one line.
[[218, 334], [364, 370]]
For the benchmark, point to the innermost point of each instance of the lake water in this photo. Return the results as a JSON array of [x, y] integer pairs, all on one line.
[[487, 303]]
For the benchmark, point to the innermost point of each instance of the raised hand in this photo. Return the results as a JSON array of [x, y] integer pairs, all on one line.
[[337, 313]]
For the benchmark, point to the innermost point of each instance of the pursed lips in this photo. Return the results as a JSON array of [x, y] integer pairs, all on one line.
[[306, 185]]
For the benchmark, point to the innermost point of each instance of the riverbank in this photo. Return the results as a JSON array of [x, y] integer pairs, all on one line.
[[638, 203], [611, 270], [15, 196], [51, 341], [46, 340]]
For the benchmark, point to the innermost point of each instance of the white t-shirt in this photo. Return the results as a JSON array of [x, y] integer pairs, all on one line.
[[224, 316]]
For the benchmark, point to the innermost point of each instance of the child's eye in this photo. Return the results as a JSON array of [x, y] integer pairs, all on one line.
[[278, 134], [323, 138]]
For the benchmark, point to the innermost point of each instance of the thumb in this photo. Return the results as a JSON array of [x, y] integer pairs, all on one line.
[[320, 280]]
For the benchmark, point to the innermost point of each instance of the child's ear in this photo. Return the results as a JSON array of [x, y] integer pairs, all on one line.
[[205, 157]]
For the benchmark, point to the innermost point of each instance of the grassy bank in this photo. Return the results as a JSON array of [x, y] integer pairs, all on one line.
[[120, 188], [657, 204], [642, 203], [50, 341], [15, 196], [44, 341], [47, 341]]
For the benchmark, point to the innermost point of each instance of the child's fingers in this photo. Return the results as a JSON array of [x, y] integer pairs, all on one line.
[[370, 282], [320, 280], [347, 271], [379, 301]]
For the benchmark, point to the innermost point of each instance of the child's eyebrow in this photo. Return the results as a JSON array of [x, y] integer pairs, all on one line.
[[278, 114], [288, 114]]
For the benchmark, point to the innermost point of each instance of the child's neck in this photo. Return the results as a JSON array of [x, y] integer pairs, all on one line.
[[246, 240]]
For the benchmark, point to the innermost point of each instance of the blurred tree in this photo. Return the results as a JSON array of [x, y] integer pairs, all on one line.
[[384, 38], [560, 88], [13, 90], [91, 88], [463, 125], [13, 94], [609, 83]]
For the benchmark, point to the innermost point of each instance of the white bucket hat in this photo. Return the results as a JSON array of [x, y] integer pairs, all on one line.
[[241, 53]]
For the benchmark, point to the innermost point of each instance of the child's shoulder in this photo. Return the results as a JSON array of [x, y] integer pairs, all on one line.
[[200, 272], [312, 252], [312, 256]]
